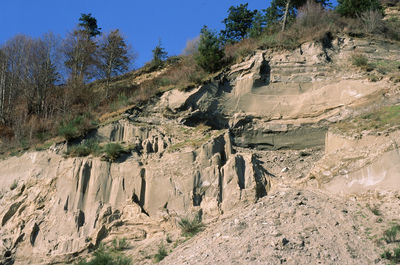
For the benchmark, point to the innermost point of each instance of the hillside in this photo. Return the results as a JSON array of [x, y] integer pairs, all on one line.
[[270, 130], [285, 155]]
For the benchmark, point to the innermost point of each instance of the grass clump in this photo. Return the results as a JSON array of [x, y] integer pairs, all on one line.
[[392, 256], [191, 226], [161, 253], [361, 61], [375, 210], [120, 244], [112, 151], [104, 256], [390, 235]]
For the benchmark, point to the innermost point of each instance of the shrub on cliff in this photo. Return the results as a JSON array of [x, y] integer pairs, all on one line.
[[103, 256], [75, 127], [191, 226], [113, 151]]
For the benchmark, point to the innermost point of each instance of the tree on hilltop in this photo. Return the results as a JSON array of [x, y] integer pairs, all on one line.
[[286, 10], [238, 23], [210, 53], [89, 24], [159, 55], [114, 57]]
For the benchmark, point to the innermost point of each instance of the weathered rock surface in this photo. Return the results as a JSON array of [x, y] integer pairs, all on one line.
[[65, 205], [280, 100]]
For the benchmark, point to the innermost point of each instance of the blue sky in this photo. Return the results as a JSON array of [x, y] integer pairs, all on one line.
[[143, 22]]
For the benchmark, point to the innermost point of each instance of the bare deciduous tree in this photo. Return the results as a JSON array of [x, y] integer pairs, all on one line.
[[114, 56]]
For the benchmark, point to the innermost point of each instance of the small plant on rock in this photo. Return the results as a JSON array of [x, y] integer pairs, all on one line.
[[393, 257], [161, 253], [361, 61], [375, 210], [191, 226], [120, 244], [86, 148], [104, 256]]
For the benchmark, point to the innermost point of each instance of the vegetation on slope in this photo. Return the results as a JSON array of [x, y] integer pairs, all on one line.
[[66, 101], [385, 118], [107, 256]]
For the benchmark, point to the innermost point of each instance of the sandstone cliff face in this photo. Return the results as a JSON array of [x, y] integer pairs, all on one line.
[[65, 205], [281, 100], [268, 119]]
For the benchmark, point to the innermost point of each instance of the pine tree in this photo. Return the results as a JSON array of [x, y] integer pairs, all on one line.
[[159, 56], [210, 53], [89, 24], [238, 23]]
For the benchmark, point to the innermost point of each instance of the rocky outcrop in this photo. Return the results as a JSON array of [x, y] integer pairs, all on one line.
[[75, 203], [368, 163], [277, 100]]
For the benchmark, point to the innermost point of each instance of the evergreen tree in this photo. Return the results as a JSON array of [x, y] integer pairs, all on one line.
[[80, 50], [89, 24], [354, 8], [259, 23], [210, 53], [159, 55], [238, 23]]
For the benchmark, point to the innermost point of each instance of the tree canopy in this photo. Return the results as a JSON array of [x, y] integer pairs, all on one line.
[[89, 24], [210, 52], [276, 11], [354, 8], [238, 23], [159, 54]]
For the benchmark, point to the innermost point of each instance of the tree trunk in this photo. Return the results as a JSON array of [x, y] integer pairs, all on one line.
[[285, 16]]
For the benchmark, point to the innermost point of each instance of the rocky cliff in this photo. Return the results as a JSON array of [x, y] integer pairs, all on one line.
[[253, 130]]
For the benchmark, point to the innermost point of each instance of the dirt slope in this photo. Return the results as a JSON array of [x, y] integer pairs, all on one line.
[[289, 226]]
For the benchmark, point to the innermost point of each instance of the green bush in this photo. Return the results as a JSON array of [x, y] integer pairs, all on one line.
[[69, 129], [86, 148], [75, 127], [210, 53], [161, 253], [113, 151], [103, 256], [191, 226], [361, 61]]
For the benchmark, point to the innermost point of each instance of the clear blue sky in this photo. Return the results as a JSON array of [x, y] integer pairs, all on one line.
[[143, 22]]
